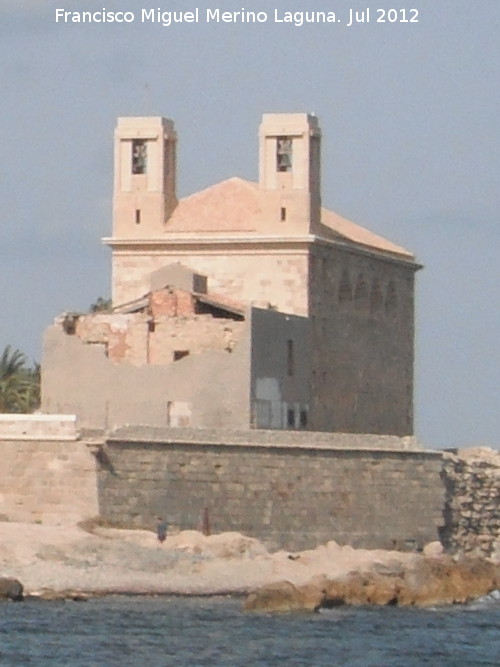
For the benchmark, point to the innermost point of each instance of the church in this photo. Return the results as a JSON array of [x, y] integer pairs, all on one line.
[[247, 305]]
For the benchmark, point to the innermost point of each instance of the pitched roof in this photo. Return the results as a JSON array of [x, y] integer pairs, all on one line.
[[226, 206], [355, 233], [234, 205]]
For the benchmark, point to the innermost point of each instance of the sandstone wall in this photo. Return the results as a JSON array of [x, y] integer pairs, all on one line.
[[472, 509], [50, 481], [288, 496], [254, 274]]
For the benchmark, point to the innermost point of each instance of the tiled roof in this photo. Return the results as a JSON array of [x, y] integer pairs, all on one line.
[[233, 206], [350, 231], [227, 206]]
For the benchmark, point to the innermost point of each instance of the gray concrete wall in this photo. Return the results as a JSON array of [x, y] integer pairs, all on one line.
[[362, 342], [206, 389], [291, 497], [280, 369]]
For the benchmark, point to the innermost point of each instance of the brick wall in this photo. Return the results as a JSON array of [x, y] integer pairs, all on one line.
[[130, 337]]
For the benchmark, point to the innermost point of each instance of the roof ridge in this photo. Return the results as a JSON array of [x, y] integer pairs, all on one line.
[[244, 181]]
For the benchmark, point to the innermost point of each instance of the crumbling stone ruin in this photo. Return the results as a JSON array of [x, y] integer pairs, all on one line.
[[472, 504]]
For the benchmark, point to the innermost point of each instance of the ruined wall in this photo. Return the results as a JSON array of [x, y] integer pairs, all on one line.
[[362, 342], [288, 496], [139, 338], [79, 378], [47, 481], [472, 510]]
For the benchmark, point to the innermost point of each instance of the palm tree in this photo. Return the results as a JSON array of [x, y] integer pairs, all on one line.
[[19, 384]]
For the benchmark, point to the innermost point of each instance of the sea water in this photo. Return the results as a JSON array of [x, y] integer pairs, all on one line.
[[215, 631]]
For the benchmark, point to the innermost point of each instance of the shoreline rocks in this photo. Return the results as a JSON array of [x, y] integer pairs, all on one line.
[[69, 563], [425, 581], [11, 589]]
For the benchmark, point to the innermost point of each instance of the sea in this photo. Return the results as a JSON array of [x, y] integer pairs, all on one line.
[[178, 631]]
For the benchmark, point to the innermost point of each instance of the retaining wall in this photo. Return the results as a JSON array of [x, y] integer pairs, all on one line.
[[292, 497], [47, 481]]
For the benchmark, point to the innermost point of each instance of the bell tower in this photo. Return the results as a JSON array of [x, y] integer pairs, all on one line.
[[290, 170], [144, 184]]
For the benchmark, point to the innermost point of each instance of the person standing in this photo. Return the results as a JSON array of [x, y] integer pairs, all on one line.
[[161, 530]]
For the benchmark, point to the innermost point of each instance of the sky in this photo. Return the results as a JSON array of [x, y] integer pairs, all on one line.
[[411, 149]]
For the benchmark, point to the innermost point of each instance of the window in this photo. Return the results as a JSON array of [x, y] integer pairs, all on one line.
[[303, 418], [139, 156], [345, 290], [376, 296], [290, 418], [284, 149], [361, 293], [137, 216], [180, 354], [391, 298], [289, 357], [283, 214]]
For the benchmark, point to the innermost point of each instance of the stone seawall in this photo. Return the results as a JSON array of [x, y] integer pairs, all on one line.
[[292, 497], [358, 490], [472, 508], [47, 481]]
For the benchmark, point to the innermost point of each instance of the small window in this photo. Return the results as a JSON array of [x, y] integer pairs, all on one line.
[[289, 357], [290, 418], [139, 156], [283, 214], [391, 298], [345, 289], [180, 354], [284, 150], [137, 216], [303, 418], [151, 326]]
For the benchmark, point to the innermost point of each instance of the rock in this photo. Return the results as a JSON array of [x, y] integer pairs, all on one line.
[[432, 581], [362, 589], [223, 545], [424, 582], [433, 549], [11, 589], [284, 596]]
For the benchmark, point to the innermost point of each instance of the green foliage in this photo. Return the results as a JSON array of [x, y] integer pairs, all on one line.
[[19, 383], [100, 305]]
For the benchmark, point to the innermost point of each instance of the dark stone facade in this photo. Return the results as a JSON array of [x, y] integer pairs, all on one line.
[[291, 497], [362, 319]]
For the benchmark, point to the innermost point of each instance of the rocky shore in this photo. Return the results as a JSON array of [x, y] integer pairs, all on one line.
[[73, 562], [422, 581]]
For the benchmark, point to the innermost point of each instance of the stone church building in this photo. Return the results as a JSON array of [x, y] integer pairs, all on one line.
[[245, 305]]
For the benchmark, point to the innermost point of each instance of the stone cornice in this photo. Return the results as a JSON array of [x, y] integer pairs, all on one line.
[[207, 244]]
